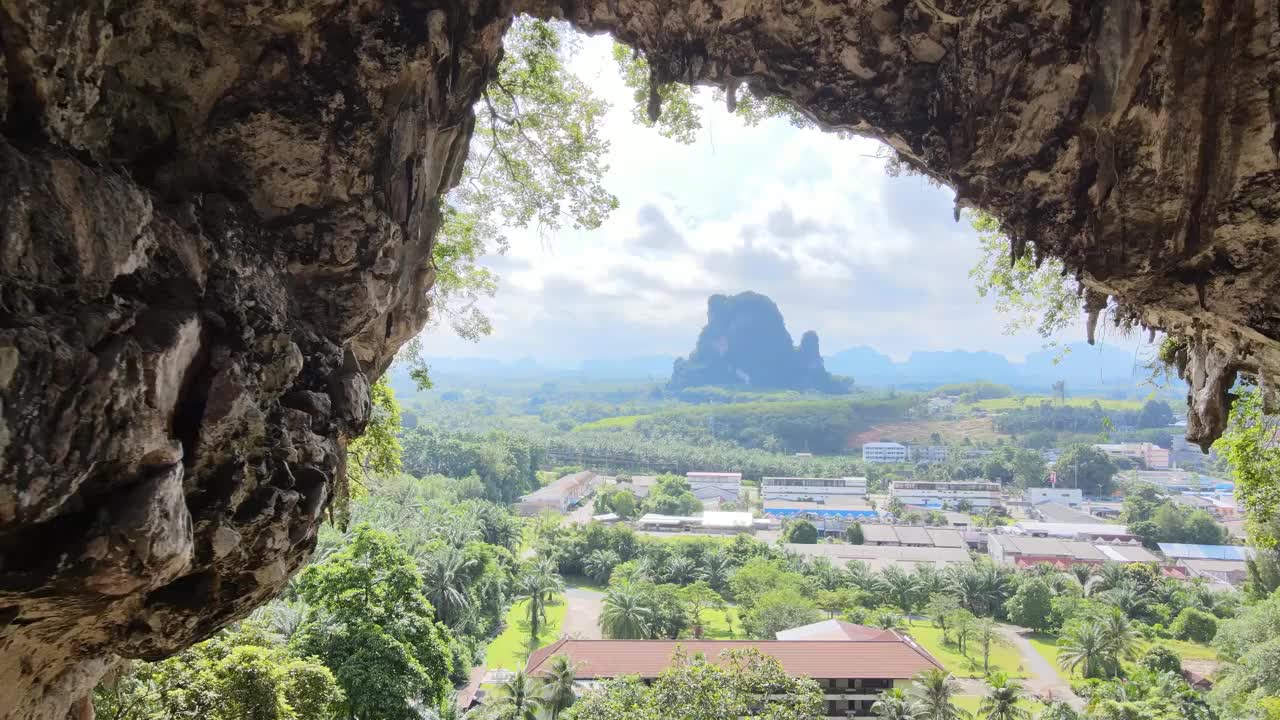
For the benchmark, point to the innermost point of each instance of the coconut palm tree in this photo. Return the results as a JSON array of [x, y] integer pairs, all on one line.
[[557, 692], [626, 613], [893, 704], [1125, 597], [933, 692], [1120, 632], [445, 579], [828, 576], [900, 586], [681, 570], [1082, 572], [517, 699], [1086, 646], [599, 565], [929, 581], [1003, 696], [864, 578], [716, 568], [539, 585]]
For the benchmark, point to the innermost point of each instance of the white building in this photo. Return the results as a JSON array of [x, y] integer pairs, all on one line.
[[1071, 497], [979, 493], [885, 452], [1152, 456], [927, 453], [793, 488], [729, 481]]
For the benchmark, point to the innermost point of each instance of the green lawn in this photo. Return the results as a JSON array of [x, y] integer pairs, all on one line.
[[510, 649], [1033, 401], [1188, 650], [1004, 658], [716, 625], [1047, 646]]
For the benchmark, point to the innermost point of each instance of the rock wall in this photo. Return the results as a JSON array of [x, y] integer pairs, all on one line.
[[216, 220], [215, 227]]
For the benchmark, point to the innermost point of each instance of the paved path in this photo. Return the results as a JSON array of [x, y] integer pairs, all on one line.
[[582, 617], [1044, 678]]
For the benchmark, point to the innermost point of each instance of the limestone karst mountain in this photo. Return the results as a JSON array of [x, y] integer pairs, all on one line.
[[746, 343]]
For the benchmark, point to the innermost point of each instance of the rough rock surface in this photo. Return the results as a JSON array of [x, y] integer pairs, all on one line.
[[216, 219]]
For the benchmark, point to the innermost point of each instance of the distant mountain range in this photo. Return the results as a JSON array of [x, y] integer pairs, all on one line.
[[1080, 365]]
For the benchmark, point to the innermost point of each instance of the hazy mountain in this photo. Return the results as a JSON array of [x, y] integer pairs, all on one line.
[[746, 343]]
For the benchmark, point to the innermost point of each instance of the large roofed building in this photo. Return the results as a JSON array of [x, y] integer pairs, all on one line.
[[882, 556], [558, 495], [852, 669], [1026, 551]]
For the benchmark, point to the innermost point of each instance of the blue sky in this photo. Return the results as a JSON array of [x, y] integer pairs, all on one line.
[[806, 217]]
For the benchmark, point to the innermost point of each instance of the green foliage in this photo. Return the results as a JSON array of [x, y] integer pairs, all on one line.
[[1087, 468], [1194, 625], [504, 465], [776, 610], [739, 683], [1249, 447], [377, 451], [853, 534], [239, 674], [1031, 606], [801, 532], [1015, 465], [933, 693], [535, 158], [375, 628], [1155, 518], [627, 613], [1033, 297], [1003, 699], [1159, 659], [671, 496]]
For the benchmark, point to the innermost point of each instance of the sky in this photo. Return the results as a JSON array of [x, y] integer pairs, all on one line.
[[808, 218]]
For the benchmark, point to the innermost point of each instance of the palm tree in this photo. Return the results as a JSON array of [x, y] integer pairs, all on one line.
[[1086, 646], [929, 581], [599, 565], [1125, 597], [626, 613], [1120, 632], [863, 577], [681, 570], [933, 692], [893, 704], [558, 686], [827, 576], [516, 699], [1108, 576], [1082, 572], [717, 566], [900, 587], [445, 578], [538, 585], [1003, 696]]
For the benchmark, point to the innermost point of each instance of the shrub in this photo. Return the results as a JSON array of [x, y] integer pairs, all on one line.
[[1194, 625], [1159, 658], [802, 532]]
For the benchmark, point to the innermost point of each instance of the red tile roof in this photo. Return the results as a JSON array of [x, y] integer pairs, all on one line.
[[883, 659], [835, 630]]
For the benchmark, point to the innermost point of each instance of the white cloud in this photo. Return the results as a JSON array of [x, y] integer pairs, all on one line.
[[808, 218]]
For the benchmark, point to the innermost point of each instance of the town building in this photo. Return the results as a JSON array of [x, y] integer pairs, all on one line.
[[1217, 563], [847, 509], [708, 522], [927, 493], [723, 480], [638, 485], [713, 497], [852, 672], [1054, 512], [836, 630], [1107, 532], [1152, 457], [1071, 497], [1027, 551], [878, 557], [911, 536], [558, 495], [885, 452], [817, 489], [928, 453]]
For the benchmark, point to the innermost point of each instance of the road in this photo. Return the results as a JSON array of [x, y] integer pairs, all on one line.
[[1044, 678], [582, 617]]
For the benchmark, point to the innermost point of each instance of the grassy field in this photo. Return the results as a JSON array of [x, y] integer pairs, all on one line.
[[510, 649], [1004, 658], [1031, 401], [1047, 646], [977, 429], [612, 423], [715, 624]]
